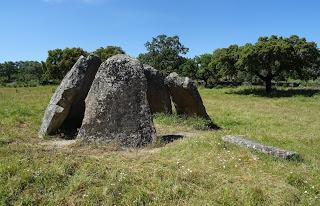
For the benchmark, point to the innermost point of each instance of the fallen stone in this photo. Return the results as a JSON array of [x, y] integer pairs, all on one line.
[[260, 147], [157, 93], [66, 107], [186, 97], [117, 110]]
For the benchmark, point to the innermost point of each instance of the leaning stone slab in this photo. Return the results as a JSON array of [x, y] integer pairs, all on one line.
[[260, 147], [186, 97], [66, 107], [117, 110], [157, 93]]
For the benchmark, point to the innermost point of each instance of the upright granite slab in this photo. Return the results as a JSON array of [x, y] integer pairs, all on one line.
[[117, 110], [157, 93], [260, 147], [186, 97], [66, 107]]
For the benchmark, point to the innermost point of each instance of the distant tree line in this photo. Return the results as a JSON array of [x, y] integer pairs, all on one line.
[[270, 59], [21, 72], [51, 71]]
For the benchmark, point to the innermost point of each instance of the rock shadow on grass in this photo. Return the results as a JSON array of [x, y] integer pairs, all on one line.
[[163, 140]]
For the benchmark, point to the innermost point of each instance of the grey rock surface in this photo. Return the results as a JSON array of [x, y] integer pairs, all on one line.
[[117, 110], [260, 147], [157, 93], [186, 97], [66, 107]]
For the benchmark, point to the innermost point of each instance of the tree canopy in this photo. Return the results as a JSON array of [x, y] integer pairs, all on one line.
[[164, 53], [21, 72], [273, 57], [205, 70], [189, 68], [106, 52], [7, 71], [224, 61], [60, 61]]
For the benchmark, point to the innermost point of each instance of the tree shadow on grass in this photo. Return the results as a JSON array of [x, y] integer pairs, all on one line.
[[277, 93]]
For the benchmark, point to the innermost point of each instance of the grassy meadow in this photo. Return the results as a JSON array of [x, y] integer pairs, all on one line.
[[199, 169]]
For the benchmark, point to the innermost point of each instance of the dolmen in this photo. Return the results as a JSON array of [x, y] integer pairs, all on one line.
[[114, 101]]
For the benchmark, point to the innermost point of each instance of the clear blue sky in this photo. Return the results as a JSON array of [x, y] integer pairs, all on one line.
[[29, 28]]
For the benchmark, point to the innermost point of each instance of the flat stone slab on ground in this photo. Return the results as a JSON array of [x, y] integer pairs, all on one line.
[[260, 147]]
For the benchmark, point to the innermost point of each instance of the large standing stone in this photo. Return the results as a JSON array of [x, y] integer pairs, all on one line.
[[157, 93], [117, 110], [66, 107], [186, 97]]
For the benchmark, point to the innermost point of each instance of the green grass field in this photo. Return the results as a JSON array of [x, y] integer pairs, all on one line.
[[197, 170]]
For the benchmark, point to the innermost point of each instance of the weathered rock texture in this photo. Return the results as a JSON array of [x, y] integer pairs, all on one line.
[[66, 107], [186, 97], [261, 148], [117, 110], [157, 93]]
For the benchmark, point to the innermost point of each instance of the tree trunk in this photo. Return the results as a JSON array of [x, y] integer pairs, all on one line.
[[268, 84]]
